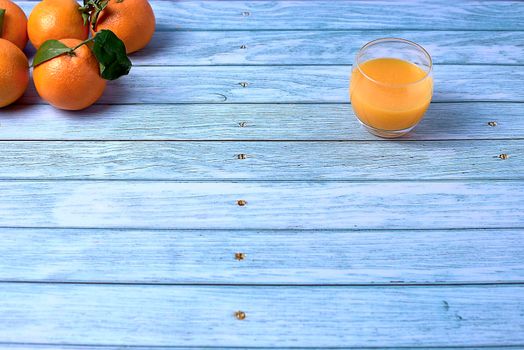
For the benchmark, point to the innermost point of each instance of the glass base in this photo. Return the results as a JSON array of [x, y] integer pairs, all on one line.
[[387, 134]]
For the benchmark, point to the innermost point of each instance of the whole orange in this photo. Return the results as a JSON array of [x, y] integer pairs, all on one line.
[[70, 81], [56, 19], [133, 21], [14, 73], [15, 24]]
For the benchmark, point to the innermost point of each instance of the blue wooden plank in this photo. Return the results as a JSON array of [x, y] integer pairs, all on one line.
[[321, 47], [269, 257], [326, 14], [443, 121], [275, 316], [262, 205], [288, 84], [109, 347], [324, 47], [262, 160]]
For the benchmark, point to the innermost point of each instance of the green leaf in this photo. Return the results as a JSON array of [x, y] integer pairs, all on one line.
[[2, 13], [85, 12], [85, 16], [111, 54], [99, 5], [91, 11], [49, 50]]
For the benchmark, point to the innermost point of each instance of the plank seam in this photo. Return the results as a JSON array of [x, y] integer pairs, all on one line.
[[263, 229], [264, 103], [263, 140], [320, 30], [255, 181], [19, 104], [309, 65], [269, 229], [508, 346], [240, 180], [263, 285]]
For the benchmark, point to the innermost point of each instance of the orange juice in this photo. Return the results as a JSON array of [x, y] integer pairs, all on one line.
[[392, 94]]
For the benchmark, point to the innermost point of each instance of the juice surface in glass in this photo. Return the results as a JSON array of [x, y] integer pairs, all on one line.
[[390, 93]]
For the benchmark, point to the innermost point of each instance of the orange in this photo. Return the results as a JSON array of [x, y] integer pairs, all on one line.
[[14, 73], [56, 19], [15, 24], [70, 82], [133, 21]]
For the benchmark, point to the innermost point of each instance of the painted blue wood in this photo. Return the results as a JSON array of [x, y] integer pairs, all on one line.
[[443, 121], [270, 257], [321, 47], [288, 84], [275, 316], [262, 160], [324, 47], [265, 205], [106, 347], [327, 14], [289, 51], [88, 347]]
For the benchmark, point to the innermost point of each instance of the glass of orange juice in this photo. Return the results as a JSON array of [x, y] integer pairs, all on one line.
[[391, 86]]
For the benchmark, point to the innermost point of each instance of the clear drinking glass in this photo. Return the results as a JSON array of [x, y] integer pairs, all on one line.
[[391, 86]]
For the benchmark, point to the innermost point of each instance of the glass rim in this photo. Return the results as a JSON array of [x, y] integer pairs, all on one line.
[[405, 41]]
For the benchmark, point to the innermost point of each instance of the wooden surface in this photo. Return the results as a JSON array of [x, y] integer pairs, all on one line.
[[120, 225], [290, 257], [260, 122], [275, 316], [294, 84], [270, 205]]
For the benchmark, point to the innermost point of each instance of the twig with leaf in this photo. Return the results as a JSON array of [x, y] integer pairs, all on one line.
[[109, 50], [91, 11]]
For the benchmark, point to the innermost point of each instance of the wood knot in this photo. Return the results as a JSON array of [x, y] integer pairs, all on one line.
[[503, 156], [493, 123], [246, 14], [243, 47], [240, 315], [242, 124], [241, 202], [241, 156], [240, 256], [243, 84]]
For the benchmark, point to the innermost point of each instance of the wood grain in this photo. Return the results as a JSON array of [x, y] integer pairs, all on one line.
[[270, 257], [270, 205], [324, 47], [109, 347], [288, 84], [275, 316], [443, 121], [321, 15], [297, 161], [321, 47], [119, 229]]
